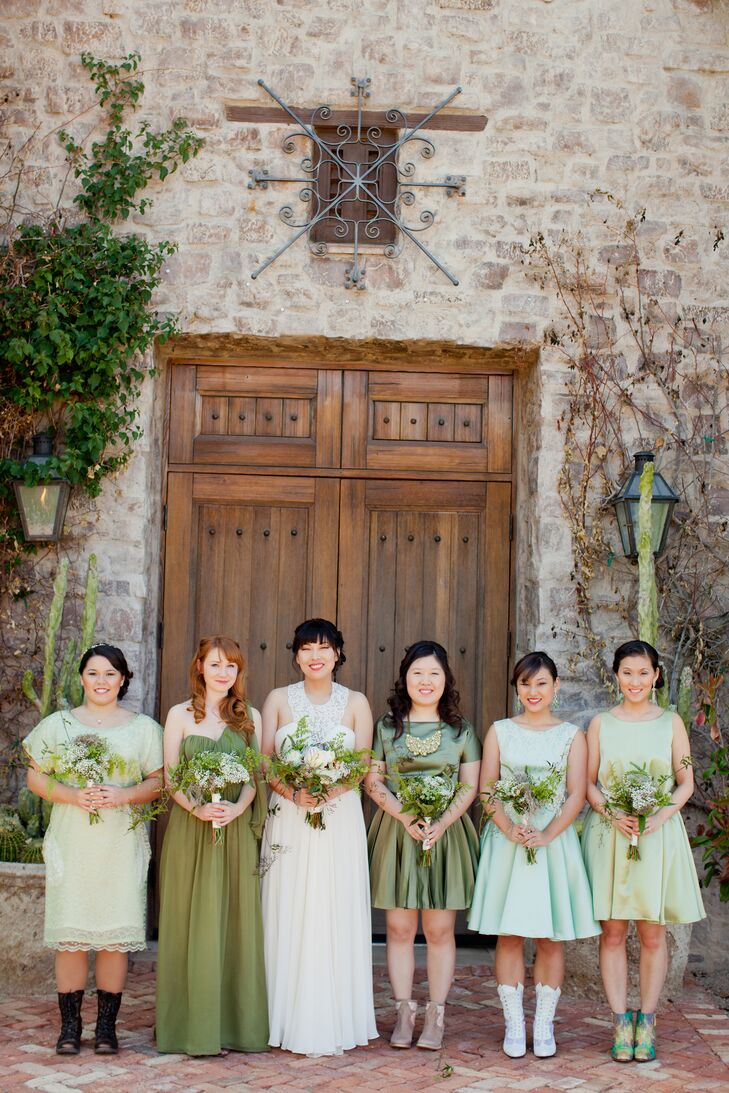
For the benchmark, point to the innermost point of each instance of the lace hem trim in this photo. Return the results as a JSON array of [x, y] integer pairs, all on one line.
[[83, 947]]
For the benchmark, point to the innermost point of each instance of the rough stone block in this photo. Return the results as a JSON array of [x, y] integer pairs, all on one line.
[[491, 275], [103, 39], [26, 967]]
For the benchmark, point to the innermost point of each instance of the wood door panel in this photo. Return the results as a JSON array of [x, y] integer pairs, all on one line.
[[255, 416], [249, 562], [417, 571], [431, 422]]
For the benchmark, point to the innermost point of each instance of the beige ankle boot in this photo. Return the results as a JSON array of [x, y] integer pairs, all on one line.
[[402, 1034], [431, 1037]]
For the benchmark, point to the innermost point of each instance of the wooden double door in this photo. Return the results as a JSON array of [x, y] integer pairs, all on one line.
[[380, 499]]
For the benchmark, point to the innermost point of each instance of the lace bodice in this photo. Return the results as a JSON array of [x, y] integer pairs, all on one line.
[[520, 748], [324, 721]]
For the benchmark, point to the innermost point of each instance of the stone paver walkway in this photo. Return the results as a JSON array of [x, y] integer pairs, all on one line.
[[694, 1051]]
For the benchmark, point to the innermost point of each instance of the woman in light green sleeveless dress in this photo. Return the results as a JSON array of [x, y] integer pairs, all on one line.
[[96, 873], [661, 886], [211, 988]]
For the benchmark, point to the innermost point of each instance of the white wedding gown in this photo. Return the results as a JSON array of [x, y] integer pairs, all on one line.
[[316, 909]]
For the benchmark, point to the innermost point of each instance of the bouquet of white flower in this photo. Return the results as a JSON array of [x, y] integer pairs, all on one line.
[[636, 793], [202, 777], [427, 796], [524, 795], [303, 764], [86, 760]]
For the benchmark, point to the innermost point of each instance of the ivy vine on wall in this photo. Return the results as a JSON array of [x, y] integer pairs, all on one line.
[[76, 312]]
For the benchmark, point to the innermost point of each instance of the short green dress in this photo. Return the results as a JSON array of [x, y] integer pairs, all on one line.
[[396, 878], [211, 985], [662, 885], [96, 874]]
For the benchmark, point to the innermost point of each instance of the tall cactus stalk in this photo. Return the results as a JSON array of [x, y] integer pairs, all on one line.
[[647, 591], [686, 697], [63, 671], [55, 616]]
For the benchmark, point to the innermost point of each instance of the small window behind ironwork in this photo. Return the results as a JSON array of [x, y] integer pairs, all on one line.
[[354, 214]]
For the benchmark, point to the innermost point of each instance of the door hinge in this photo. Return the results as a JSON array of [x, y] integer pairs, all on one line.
[[164, 517], [511, 525], [160, 634]]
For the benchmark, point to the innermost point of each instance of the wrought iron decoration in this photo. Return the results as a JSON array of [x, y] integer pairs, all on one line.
[[354, 181]]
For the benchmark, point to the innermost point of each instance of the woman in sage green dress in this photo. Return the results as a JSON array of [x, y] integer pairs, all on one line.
[[211, 988], [424, 734], [661, 886]]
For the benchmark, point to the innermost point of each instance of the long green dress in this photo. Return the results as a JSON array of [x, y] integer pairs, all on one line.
[[211, 985], [662, 886], [396, 877]]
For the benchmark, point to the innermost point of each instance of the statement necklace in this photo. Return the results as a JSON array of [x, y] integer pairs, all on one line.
[[425, 746]]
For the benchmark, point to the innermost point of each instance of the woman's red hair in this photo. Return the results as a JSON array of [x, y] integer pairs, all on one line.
[[234, 707]]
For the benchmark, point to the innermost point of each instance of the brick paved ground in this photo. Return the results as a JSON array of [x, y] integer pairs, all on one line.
[[694, 1051]]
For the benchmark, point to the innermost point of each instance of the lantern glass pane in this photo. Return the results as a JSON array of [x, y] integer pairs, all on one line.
[[39, 508]]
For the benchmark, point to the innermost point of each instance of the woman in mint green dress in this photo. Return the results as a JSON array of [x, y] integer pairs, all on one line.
[[548, 899], [424, 734], [661, 886], [211, 988]]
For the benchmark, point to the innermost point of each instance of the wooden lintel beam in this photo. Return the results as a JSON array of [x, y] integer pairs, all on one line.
[[274, 115]]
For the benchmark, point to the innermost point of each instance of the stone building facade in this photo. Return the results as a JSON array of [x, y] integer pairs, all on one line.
[[583, 100]]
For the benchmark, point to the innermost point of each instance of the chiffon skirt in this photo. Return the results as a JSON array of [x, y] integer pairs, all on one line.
[[317, 929]]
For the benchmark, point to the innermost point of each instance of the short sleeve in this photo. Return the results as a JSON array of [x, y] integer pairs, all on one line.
[[44, 739], [151, 756], [378, 744], [471, 745]]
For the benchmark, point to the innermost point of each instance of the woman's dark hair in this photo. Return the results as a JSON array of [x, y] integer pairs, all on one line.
[[322, 631], [638, 648], [115, 657], [399, 700], [530, 664]]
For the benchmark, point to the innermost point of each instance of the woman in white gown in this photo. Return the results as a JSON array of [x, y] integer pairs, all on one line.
[[315, 890]]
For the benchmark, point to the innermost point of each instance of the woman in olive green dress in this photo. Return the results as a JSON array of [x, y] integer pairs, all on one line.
[[424, 734], [661, 886], [211, 988]]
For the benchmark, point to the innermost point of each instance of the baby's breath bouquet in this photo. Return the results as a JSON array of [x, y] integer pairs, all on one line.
[[316, 767], [84, 760], [636, 793], [202, 777], [523, 796], [427, 796]]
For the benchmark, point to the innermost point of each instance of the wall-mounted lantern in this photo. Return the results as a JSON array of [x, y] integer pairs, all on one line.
[[43, 507], [626, 500]]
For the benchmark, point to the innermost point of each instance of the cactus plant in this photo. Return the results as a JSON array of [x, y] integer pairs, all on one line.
[[32, 851], [12, 837], [34, 811], [647, 591]]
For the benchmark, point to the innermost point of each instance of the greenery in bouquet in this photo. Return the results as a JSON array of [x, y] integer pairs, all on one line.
[[84, 760], [204, 776], [636, 793], [523, 796], [316, 767], [427, 796]]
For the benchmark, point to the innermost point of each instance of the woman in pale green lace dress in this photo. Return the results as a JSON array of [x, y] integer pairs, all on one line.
[[96, 873]]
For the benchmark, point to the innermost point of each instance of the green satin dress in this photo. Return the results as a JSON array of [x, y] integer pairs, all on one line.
[[396, 878], [662, 886], [211, 985]]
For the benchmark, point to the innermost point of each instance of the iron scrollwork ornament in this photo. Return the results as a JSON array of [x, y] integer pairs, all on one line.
[[377, 178]]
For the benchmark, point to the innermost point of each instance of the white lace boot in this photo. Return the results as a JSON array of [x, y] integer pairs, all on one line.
[[547, 999], [515, 1034]]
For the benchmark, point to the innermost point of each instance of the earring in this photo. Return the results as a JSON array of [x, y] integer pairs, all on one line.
[[653, 694], [556, 702], [518, 705]]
